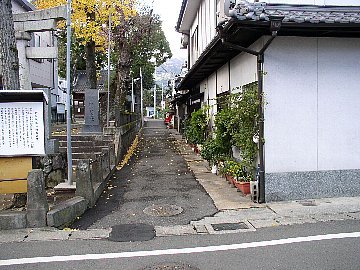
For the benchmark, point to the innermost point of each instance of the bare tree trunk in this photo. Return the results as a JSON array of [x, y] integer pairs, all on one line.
[[9, 61], [122, 72]]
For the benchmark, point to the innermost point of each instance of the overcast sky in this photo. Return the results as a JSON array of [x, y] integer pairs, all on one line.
[[169, 12]]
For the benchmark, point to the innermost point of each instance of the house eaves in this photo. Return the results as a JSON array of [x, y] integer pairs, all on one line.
[[187, 15], [249, 22], [25, 5]]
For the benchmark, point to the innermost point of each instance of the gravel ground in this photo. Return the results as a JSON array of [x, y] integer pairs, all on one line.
[[156, 175]]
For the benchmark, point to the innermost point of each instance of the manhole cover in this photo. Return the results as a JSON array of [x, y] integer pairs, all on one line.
[[165, 210], [171, 266], [308, 203], [229, 226], [132, 232]]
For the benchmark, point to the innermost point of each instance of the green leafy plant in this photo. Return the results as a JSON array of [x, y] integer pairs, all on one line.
[[237, 123], [196, 126], [212, 151]]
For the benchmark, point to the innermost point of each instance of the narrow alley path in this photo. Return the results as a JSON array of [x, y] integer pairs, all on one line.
[[155, 178]]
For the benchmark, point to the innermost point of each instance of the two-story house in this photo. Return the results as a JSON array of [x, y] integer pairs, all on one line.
[[305, 59], [43, 72]]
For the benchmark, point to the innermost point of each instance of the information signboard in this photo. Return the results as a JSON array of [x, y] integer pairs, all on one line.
[[22, 128]]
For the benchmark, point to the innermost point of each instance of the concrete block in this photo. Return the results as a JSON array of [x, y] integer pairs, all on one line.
[[84, 185], [12, 220], [66, 212], [37, 205]]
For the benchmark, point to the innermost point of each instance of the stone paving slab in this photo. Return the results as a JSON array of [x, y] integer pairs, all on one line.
[[322, 206], [263, 223], [294, 220], [355, 215], [47, 234], [333, 217], [8, 236], [175, 230], [90, 234]]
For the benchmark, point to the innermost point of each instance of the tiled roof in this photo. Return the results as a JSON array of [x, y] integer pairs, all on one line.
[[295, 13]]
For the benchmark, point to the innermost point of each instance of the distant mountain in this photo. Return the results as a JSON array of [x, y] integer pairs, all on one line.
[[168, 70]]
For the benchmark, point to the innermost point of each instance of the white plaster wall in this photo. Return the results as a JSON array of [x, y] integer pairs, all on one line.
[[243, 68], [223, 79], [311, 119], [212, 97], [339, 110], [290, 115], [316, 2], [205, 20]]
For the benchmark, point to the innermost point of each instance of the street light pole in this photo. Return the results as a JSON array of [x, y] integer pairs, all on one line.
[[142, 98], [132, 96], [108, 82], [68, 94], [155, 101]]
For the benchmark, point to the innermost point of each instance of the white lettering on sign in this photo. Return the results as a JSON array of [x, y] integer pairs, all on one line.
[[22, 128]]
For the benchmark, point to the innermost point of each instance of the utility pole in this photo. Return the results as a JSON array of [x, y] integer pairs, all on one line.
[[108, 90], [132, 96], [155, 101], [142, 99], [68, 95]]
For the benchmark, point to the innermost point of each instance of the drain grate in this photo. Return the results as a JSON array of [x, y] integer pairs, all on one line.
[[164, 210], [229, 226], [170, 266]]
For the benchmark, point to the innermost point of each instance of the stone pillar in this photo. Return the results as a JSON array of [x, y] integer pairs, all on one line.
[[37, 205], [96, 170], [23, 39], [92, 112], [105, 162], [51, 145], [84, 186]]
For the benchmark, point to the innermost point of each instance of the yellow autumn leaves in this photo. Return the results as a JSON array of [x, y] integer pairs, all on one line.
[[86, 29]]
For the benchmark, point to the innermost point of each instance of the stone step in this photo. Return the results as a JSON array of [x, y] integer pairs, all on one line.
[[86, 149], [85, 143], [84, 137]]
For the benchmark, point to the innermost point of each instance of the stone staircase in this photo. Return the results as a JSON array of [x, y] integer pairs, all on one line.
[[85, 146]]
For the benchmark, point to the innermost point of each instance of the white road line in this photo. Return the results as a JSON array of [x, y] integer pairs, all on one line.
[[177, 251]]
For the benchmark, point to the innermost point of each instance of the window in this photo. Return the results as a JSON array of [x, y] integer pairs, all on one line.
[[195, 44]]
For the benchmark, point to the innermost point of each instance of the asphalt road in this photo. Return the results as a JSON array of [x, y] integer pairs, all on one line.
[[156, 175], [251, 250]]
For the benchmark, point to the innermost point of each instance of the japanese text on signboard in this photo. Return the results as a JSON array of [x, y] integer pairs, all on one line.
[[21, 128]]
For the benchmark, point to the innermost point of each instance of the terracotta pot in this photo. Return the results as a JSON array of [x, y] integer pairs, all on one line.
[[230, 179], [244, 187]]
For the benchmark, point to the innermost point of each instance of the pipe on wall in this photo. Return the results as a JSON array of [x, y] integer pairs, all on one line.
[[260, 73]]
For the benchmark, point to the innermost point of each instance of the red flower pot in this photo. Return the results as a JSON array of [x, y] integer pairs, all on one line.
[[244, 187]]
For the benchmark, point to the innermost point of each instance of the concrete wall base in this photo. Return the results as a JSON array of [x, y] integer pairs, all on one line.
[[312, 185], [10, 220]]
